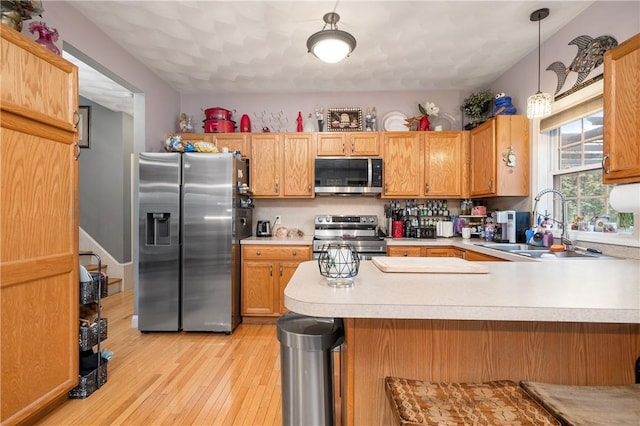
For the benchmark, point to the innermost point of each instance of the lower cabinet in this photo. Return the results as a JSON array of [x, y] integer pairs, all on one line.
[[439, 251], [424, 251], [266, 271], [481, 257]]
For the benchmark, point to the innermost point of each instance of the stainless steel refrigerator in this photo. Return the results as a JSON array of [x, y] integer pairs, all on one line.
[[190, 225]]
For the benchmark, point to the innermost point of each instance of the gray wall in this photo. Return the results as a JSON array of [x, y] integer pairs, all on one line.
[[105, 180], [620, 19]]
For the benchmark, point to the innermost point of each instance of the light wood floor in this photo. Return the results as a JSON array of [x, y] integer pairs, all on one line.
[[181, 378]]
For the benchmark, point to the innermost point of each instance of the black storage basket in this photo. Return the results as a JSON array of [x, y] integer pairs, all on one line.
[[89, 289], [90, 383], [88, 336]]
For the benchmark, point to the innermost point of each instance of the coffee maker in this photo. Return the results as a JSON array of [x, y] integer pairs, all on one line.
[[505, 226], [511, 226]]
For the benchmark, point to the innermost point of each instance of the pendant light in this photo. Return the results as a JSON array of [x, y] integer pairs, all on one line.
[[539, 105], [331, 45]]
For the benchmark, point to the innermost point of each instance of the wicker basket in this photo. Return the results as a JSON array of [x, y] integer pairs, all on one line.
[[90, 383], [88, 336]]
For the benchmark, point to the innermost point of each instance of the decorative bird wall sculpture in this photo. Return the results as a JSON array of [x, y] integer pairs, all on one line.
[[590, 56]]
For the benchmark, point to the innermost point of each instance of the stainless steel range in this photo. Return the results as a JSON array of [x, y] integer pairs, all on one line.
[[359, 231]]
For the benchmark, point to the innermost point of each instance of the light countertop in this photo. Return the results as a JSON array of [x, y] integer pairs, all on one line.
[[566, 291]]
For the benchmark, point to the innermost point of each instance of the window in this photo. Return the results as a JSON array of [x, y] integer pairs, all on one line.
[[575, 141]]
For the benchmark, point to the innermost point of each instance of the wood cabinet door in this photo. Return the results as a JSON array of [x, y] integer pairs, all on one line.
[[364, 144], [439, 252], [482, 156], [475, 256], [234, 142], [621, 150], [286, 270], [406, 251], [512, 138], [298, 167], [258, 286], [39, 287], [36, 83], [445, 164], [265, 165], [403, 160], [331, 144]]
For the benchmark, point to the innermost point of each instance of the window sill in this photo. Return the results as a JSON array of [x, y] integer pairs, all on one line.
[[627, 240]]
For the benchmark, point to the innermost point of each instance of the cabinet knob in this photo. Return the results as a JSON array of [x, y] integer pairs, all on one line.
[[491, 184], [605, 169], [271, 270], [295, 253], [76, 146], [258, 253], [280, 270], [426, 188], [343, 147], [352, 147], [277, 188], [405, 254]]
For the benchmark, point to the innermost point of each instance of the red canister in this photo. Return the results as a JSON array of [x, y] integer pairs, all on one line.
[[245, 124], [398, 229]]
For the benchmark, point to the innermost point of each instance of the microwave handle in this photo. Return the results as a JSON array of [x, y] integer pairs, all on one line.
[[369, 173]]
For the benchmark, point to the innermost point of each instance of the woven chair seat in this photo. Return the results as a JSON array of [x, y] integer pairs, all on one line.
[[496, 403]]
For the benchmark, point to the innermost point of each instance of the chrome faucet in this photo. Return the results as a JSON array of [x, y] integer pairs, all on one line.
[[563, 236]]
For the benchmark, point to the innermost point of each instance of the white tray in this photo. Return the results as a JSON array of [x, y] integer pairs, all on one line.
[[429, 265]]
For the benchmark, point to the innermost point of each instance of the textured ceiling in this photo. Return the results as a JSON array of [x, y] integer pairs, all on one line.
[[208, 47], [97, 87]]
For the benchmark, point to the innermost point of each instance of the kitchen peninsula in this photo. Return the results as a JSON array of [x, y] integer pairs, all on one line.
[[571, 322]]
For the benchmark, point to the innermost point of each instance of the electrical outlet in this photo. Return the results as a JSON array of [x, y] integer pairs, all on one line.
[[278, 220]]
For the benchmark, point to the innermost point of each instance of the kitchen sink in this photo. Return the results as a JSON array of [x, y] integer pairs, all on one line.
[[542, 253], [512, 247]]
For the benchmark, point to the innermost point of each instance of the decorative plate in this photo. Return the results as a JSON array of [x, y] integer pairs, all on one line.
[[444, 119], [394, 122]]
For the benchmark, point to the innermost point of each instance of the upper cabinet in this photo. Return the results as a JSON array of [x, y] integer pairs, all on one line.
[[446, 164], [233, 142], [621, 161], [425, 164], [403, 162], [37, 84], [348, 144], [499, 157], [282, 165]]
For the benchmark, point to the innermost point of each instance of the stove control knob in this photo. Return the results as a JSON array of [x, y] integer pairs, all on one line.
[[371, 219], [320, 219]]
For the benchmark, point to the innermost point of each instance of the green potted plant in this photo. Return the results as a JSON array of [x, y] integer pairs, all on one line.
[[476, 106]]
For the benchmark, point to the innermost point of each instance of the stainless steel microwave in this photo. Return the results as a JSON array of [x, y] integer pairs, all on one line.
[[348, 176]]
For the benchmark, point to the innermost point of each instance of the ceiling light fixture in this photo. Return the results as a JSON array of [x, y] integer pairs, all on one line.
[[331, 45], [539, 105]]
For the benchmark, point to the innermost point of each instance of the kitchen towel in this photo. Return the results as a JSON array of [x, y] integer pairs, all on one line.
[[625, 198]]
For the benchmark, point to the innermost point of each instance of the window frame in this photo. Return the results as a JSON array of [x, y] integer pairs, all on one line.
[[546, 157]]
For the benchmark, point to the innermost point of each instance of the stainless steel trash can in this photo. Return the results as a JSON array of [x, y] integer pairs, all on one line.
[[306, 361]]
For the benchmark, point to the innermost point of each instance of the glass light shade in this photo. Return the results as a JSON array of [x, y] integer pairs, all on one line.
[[539, 105], [331, 46]]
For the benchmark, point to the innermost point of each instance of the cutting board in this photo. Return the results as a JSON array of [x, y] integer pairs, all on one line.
[[429, 265]]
